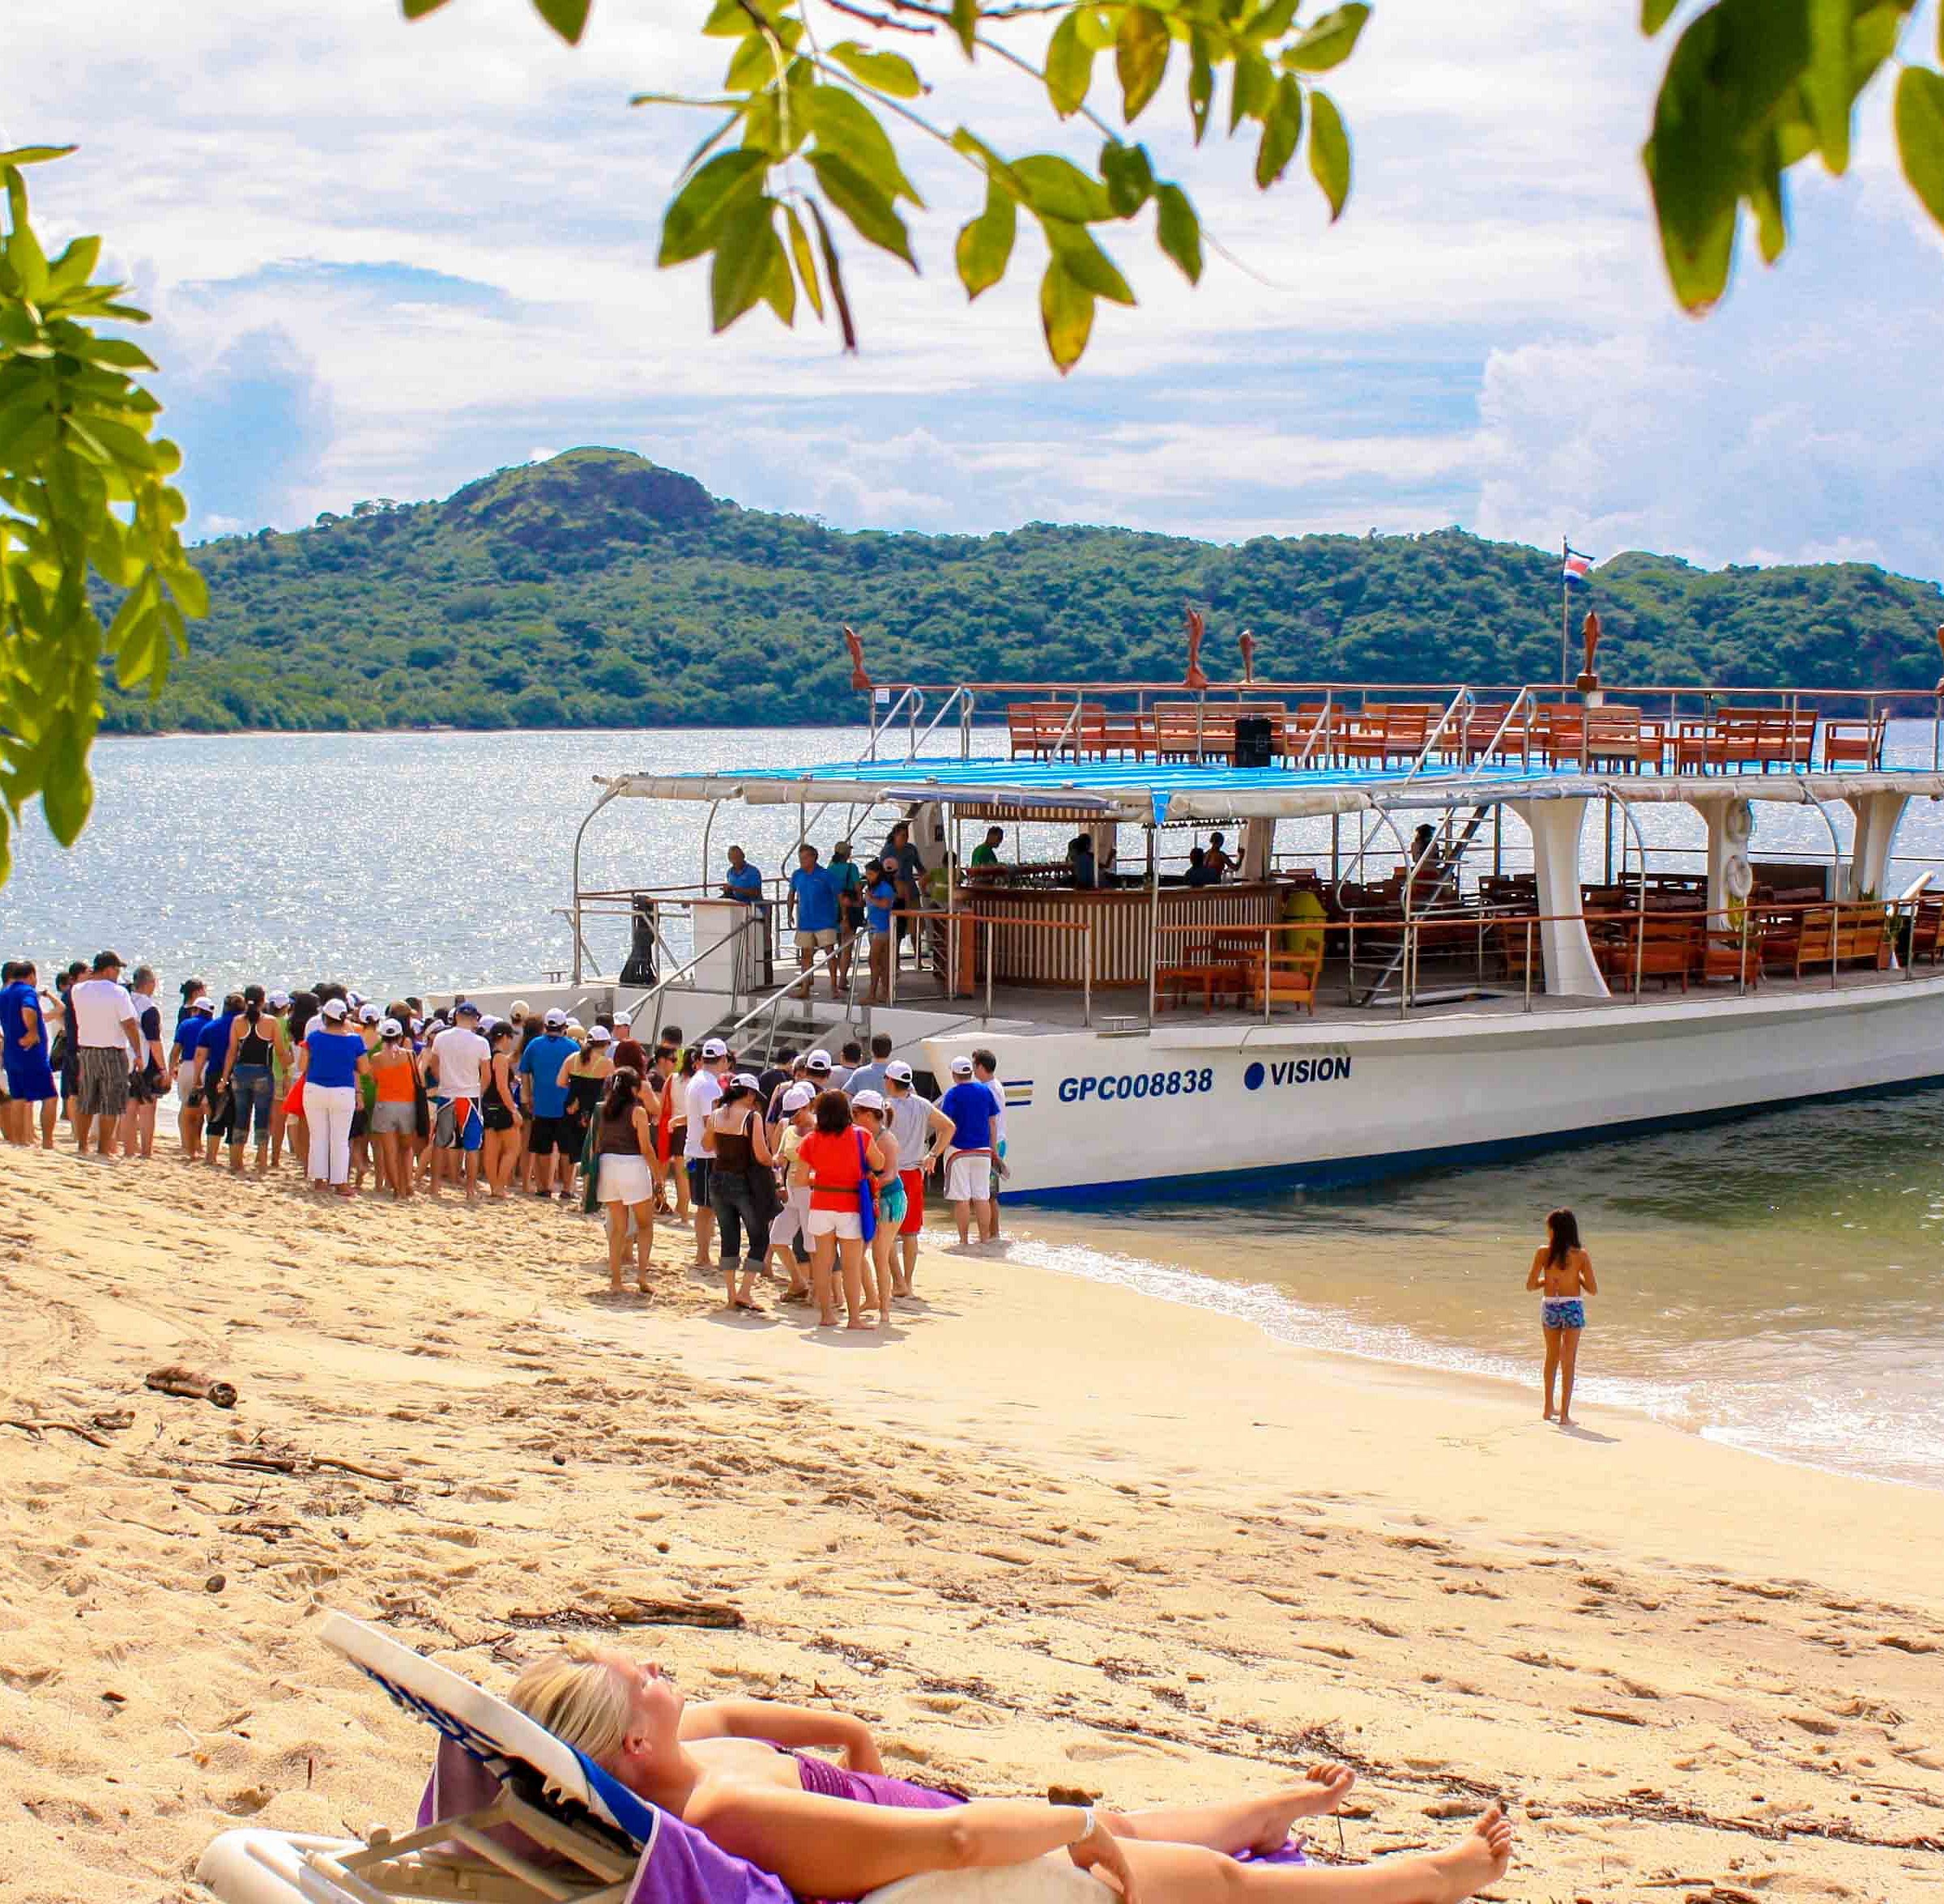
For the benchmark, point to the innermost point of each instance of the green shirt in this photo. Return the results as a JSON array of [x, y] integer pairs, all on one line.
[[984, 855]]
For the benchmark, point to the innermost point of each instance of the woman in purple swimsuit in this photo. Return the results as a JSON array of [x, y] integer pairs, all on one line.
[[731, 1769]]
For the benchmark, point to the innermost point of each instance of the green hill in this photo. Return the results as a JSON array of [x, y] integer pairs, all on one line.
[[599, 589]]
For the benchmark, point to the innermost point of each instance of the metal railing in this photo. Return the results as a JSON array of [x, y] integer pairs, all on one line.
[[987, 926]]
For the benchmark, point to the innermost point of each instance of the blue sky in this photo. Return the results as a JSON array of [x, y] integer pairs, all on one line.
[[385, 259]]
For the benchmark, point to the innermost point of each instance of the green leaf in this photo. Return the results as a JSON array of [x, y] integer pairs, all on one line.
[[889, 72], [1282, 133], [805, 263], [1826, 88], [36, 155], [965, 23], [690, 224], [1731, 70], [1141, 58], [67, 793], [1329, 151], [1178, 229], [1201, 81], [1329, 41], [1069, 67], [74, 268], [1251, 87], [1766, 195], [1066, 315], [1084, 261], [833, 270], [1128, 175], [1920, 121], [869, 208], [1057, 188], [728, 20], [845, 126], [567, 18], [985, 245], [1655, 14], [762, 58]]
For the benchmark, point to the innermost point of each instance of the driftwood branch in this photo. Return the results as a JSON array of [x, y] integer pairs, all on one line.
[[177, 1380], [38, 1428]]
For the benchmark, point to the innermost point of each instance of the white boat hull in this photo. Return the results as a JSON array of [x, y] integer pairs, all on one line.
[[1097, 1116]]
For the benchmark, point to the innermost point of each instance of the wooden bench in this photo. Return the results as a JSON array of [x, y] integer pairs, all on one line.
[[1826, 937], [1042, 729], [1384, 734], [1857, 742], [1309, 733], [1742, 737], [1212, 975]]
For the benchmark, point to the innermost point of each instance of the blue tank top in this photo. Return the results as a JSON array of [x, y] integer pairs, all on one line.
[[334, 1058]]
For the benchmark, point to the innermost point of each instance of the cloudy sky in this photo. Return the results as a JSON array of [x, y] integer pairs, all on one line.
[[384, 259]]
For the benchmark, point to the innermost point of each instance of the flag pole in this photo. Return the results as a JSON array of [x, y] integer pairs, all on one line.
[[1566, 549]]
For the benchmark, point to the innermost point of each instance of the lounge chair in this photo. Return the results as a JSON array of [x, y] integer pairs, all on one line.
[[514, 1816]]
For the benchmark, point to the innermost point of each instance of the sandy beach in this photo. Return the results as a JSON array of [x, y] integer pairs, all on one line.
[[1045, 1533]]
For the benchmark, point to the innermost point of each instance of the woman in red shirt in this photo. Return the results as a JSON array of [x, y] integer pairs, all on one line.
[[838, 1156]]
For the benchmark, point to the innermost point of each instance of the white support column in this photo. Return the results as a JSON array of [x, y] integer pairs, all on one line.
[[1571, 971], [1730, 824], [1877, 817], [1258, 850]]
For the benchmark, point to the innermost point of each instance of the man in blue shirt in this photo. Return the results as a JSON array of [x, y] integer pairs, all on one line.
[[30, 1078], [813, 899], [970, 1157], [744, 882], [547, 1104]]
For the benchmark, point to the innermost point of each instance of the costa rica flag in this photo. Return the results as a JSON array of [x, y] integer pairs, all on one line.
[[1579, 570]]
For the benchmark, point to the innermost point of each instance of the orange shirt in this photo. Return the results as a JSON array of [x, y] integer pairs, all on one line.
[[393, 1072], [837, 1161]]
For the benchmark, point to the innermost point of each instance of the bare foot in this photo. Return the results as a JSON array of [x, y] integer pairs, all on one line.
[[1546, 1415], [1478, 1859], [1326, 1785], [1567, 1421]]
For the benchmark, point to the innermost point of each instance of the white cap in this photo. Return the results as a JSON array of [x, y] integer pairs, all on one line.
[[418, 1024], [746, 1081], [391, 1029], [203, 1004], [600, 1035], [277, 1000], [554, 1019], [368, 1014], [798, 1097], [961, 1067], [868, 1100], [898, 1072], [714, 1048], [575, 1024], [520, 1008], [334, 1008], [818, 1060]]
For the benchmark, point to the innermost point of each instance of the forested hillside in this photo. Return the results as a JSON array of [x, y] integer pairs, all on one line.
[[599, 589]]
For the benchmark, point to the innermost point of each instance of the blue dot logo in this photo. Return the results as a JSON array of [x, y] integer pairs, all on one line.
[[1253, 1077]]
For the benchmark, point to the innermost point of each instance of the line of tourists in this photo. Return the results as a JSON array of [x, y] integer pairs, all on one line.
[[812, 1170]]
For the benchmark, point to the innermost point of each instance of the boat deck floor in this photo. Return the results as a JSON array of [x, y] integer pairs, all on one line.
[[1060, 1008]]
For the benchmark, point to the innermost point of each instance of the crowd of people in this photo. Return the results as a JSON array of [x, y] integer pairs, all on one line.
[[810, 1171]]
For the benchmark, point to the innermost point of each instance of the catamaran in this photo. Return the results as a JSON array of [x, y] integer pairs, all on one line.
[[1456, 922]]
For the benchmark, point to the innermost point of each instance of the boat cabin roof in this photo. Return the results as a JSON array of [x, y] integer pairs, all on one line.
[[1151, 793]]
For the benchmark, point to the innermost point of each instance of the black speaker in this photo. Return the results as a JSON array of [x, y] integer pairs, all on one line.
[[640, 968], [1255, 740]]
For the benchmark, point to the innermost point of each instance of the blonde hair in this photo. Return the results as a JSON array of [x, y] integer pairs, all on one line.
[[578, 1696]]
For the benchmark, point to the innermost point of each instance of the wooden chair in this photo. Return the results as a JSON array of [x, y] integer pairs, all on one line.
[[1726, 956], [1187, 730], [1854, 743], [1309, 733], [1652, 945], [1927, 929], [1042, 729]]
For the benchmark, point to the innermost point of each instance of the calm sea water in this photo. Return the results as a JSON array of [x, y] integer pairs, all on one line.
[[1777, 1283]]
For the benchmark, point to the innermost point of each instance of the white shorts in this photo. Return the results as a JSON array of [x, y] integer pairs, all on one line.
[[969, 1177], [623, 1178], [793, 1220], [836, 1223], [810, 941]]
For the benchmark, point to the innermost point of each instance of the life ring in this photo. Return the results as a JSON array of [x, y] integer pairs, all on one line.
[[1737, 877], [1737, 822]]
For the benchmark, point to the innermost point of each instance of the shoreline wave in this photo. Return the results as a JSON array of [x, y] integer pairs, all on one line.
[[1893, 1456]]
